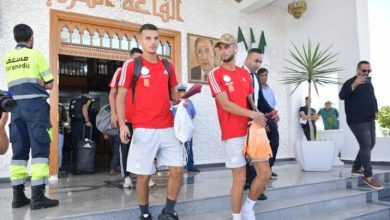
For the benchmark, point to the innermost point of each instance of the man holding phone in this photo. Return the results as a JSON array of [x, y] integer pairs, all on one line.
[[357, 92]]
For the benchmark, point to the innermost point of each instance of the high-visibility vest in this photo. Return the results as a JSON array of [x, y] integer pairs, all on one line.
[[23, 68]]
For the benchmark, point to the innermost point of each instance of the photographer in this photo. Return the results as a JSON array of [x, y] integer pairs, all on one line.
[[30, 126], [4, 142]]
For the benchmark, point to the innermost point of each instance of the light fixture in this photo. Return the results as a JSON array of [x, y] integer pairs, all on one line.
[[297, 8]]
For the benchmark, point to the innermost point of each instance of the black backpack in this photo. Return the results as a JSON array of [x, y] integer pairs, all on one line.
[[137, 71], [76, 109]]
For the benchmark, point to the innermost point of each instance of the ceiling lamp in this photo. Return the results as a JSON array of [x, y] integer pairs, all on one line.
[[297, 8]]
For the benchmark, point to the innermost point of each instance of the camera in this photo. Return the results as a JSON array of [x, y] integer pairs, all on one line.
[[7, 104]]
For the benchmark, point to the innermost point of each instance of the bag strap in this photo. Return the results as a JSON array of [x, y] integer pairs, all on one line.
[[169, 70], [137, 71]]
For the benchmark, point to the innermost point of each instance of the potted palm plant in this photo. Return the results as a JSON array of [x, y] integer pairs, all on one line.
[[314, 66]]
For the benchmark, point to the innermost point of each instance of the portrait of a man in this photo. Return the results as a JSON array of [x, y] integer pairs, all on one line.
[[202, 57]]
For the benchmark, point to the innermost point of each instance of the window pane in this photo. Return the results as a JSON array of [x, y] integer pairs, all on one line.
[[160, 49], [76, 36], [167, 49], [96, 39], [133, 43], [124, 43], [65, 36], [86, 38], [106, 40], [115, 42]]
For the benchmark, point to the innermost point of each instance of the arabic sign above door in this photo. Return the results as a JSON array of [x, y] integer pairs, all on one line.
[[165, 9]]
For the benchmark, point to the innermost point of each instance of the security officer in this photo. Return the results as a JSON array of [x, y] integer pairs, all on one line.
[[28, 77]]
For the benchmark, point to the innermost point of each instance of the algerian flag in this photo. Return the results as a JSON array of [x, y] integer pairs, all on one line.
[[242, 49], [263, 47], [253, 41]]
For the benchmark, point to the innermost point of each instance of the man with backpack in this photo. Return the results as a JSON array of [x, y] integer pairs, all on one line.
[[152, 81], [124, 147]]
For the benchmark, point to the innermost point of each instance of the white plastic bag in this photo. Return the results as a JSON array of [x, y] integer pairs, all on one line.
[[183, 126]]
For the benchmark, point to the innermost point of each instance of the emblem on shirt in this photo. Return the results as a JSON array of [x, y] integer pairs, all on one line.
[[243, 79], [227, 78], [165, 72], [144, 71]]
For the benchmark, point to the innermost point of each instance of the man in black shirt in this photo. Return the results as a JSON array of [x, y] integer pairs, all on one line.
[[305, 119], [361, 109]]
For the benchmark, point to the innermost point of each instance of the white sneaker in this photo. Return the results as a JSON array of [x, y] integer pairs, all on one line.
[[151, 183], [127, 183], [248, 215]]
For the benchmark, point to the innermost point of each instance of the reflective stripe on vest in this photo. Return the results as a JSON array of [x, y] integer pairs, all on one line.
[[24, 67]]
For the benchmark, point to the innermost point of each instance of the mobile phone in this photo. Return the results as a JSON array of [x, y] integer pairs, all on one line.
[[368, 79], [127, 136]]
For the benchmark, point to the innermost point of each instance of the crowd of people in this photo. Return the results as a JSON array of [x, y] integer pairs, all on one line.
[[143, 96]]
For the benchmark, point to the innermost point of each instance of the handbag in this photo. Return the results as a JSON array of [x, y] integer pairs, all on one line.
[[257, 145], [103, 121]]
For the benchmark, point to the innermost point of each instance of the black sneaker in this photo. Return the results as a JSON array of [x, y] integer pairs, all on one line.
[[274, 175], [167, 216], [146, 217], [262, 197]]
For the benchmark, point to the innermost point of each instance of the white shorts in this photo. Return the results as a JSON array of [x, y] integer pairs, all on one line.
[[148, 144], [234, 156]]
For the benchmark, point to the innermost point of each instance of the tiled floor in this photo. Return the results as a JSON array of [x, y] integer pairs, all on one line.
[[101, 192]]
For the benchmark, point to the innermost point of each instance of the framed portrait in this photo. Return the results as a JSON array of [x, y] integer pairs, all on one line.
[[202, 57]]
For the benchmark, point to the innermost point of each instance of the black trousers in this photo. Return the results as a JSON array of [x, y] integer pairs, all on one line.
[[273, 137], [124, 151], [366, 137], [306, 131]]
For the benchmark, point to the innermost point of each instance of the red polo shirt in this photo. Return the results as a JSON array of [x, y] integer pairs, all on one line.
[[237, 85], [151, 107]]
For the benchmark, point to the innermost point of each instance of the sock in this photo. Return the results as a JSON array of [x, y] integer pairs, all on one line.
[[170, 206], [144, 209], [236, 216], [249, 204]]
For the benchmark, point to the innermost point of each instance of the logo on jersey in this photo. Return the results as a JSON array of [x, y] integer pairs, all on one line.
[[165, 72], [144, 71], [227, 78]]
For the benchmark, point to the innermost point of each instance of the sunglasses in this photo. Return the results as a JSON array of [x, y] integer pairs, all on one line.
[[365, 71]]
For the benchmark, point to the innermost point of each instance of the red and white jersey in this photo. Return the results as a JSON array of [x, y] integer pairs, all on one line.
[[128, 105], [151, 107], [237, 86]]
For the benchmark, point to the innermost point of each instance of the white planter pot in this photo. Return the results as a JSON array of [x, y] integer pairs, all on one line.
[[338, 137], [315, 155]]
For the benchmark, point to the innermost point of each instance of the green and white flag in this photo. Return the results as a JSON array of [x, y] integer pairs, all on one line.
[[263, 47], [242, 49], [253, 41]]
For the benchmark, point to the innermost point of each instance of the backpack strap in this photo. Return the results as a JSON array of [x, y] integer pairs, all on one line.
[[169, 70], [137, 71]]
